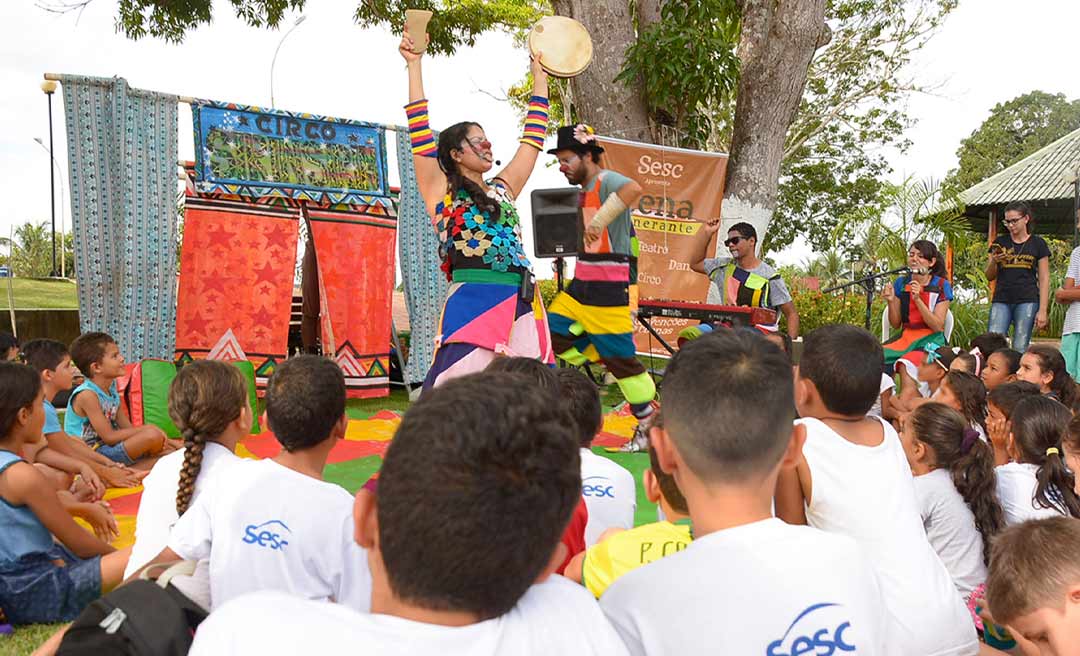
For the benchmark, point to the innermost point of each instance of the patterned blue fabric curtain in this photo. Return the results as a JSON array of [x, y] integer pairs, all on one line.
[[418, 254], [122, 159]]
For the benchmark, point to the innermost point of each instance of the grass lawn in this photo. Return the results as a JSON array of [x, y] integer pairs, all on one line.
[[38, 293], [26, 639]]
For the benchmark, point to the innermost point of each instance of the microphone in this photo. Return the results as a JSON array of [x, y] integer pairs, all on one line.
[[498, 162]]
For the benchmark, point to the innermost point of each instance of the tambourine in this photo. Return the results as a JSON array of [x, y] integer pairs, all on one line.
[[564, 43]]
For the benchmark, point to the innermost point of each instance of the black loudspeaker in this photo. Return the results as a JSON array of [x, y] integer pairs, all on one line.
[[555, 220]]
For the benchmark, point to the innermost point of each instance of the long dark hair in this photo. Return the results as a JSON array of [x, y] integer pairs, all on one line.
[[1039, 424], [1051, 360], [450, 140], [971, 393], [929, 251], [970, 461], [204, 398]]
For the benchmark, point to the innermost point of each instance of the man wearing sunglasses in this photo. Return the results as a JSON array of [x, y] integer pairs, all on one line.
[[591, 321], [741, 278]]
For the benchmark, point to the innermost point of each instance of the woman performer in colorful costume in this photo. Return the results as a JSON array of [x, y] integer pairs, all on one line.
[[591, 320], [918, 305], [492, 307]]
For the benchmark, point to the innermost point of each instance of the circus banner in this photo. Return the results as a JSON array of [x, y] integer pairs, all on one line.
[[255, 152], [681, 188]]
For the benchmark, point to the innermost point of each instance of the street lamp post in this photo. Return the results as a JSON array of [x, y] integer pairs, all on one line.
[[56, 166], [49, 87], [276, 50]]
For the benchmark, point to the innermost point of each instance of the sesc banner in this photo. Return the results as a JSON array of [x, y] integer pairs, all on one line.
[[681, 188]]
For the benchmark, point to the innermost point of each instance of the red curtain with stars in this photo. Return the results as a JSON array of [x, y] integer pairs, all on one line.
[[354, 249], [237, 267]]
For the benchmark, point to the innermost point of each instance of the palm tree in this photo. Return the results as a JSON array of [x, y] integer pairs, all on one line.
[[31, 250], [829, 268], [914, 209]]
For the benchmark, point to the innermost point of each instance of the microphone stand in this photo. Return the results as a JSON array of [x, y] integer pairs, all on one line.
[[868, 284]]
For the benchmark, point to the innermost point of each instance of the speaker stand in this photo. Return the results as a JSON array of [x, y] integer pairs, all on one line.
[[559, 264]]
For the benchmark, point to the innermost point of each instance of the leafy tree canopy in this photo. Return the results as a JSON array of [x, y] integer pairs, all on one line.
[[1014, 130]]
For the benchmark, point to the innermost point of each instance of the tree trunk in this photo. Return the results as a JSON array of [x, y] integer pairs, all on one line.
[[609, 106], [777, 42]]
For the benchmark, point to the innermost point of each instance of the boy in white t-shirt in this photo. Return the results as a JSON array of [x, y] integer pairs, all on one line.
[[1034, 584], [853, 479], [748, 583], [461, 542], [275, 524], [608, 488]]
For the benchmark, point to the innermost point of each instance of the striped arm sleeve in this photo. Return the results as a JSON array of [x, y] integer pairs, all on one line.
[[423, 141], [536, 121]]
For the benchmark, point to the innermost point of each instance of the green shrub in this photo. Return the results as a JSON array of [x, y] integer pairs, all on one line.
[[548, 290], [817, 309]]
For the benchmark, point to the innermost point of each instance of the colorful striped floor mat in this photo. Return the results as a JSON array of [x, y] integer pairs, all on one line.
[[357, 457]]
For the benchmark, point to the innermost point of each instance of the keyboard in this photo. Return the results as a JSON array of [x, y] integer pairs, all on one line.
[[731, 315]]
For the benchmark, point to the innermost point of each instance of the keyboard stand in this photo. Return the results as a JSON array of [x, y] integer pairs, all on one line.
[[645, 322]]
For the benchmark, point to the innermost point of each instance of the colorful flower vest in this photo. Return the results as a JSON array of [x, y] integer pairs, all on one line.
[[470, 239]]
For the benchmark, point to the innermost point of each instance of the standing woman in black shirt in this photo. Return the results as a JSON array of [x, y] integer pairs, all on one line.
[[1020, 263]]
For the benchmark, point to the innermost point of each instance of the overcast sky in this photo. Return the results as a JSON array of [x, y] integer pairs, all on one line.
[[988, 51]]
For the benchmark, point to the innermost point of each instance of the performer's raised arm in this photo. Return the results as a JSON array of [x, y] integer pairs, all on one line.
[[517, 172], [429, 177], [700, 249]]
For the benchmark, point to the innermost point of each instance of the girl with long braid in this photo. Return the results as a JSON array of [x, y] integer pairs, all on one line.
[[492, 307], [208, 402]]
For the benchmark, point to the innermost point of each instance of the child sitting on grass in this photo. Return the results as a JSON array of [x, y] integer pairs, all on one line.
[[619, 550], [954, 485], [1034, 584], [1000, 404], [41, 580], [1001, 367], [461, 542], [929, 373], [854, 480], [52, 361], [1044, 366], [275, 524], [545, 382], [607, 486], [1036, 483], [966, 394], [98, 417], [748, 583], [208, 402]]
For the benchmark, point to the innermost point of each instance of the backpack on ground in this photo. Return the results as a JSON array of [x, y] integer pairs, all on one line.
[[141, 618]]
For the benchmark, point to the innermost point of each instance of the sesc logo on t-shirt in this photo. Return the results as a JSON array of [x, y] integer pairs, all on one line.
[[269, 534], [819, 630], [598, 486]]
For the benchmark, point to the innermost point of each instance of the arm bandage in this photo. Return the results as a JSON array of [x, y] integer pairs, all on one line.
[[608, 212]]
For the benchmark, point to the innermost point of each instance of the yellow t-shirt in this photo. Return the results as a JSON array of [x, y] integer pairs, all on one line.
[[628, 550]]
